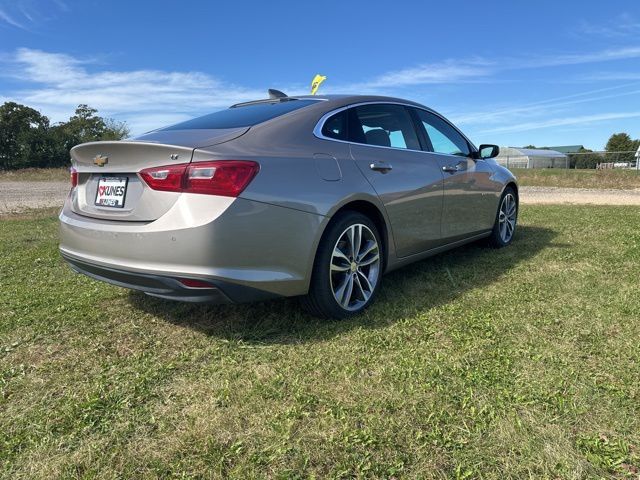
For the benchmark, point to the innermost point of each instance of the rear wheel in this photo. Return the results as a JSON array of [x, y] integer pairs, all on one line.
[[506, 220], [347, 270]]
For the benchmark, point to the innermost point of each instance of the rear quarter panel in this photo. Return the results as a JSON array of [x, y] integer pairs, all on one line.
[[295, 171]]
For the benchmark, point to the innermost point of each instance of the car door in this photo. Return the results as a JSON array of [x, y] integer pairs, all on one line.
[[469, 205], [386, 148]]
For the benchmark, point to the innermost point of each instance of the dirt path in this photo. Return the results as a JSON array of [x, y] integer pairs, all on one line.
[[20, 196], [17, 197], [578, 196]]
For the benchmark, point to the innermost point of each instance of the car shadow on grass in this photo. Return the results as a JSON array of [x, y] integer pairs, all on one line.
[[414, 289]]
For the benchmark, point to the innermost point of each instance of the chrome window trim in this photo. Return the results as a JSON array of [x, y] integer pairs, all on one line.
[[317, 131]]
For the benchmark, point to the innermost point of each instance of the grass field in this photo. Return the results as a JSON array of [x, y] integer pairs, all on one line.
[[516, 363], [556, 177]]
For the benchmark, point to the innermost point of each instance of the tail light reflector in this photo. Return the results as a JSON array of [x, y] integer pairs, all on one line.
[[219, 177], [193, 283], [73, 176]]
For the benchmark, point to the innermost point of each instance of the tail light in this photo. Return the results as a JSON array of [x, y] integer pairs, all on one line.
[[166, 179], [219, 177], [73, 176]]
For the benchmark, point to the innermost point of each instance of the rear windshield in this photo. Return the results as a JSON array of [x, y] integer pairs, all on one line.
[[242, 115]]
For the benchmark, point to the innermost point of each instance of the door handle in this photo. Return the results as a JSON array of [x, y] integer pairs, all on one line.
[[450, 168], [381, 167]]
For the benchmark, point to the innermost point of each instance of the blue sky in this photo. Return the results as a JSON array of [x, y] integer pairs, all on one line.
[[512, 73]]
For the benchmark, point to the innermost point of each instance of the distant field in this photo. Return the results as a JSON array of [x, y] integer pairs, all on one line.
[[600, 179], [478, 363], [35, 175]]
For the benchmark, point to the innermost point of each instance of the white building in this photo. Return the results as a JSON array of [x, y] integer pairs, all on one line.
[[512, 157]]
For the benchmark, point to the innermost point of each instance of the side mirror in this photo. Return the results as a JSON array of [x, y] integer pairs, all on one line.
[[488, 151]]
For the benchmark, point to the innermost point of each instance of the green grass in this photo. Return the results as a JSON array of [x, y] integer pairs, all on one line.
[[558, 177], [516, 363], [35, 175]]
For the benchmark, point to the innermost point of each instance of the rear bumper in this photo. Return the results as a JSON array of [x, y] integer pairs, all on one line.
[[248, 250], [168, 287]]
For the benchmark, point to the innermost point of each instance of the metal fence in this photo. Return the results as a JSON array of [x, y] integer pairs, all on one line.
[[601, 160]]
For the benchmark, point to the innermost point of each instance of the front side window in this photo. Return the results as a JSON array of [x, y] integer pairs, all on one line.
[[444, 138], [384, 125]]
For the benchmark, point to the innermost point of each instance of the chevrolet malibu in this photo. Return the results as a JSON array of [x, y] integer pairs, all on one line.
[[311, 196]]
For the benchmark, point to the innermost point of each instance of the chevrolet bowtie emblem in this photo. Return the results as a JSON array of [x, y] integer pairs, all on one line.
[[100, 160]]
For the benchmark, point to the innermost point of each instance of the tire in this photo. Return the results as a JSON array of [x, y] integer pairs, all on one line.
[[342, 287], [506, 221]]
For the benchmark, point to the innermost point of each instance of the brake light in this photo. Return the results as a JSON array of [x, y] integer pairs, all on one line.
[[73, 176], [219, 177]]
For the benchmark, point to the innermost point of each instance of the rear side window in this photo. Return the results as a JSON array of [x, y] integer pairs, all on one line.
[[242, 115], [384, 125], [336, 126]]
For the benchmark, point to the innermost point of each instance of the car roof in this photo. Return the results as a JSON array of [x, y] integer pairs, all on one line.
[[337, 100]]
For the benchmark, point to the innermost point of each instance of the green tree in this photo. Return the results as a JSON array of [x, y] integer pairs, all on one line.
[[27, 139], [585, 158], [23, 136], [621, 142], [86, 126]]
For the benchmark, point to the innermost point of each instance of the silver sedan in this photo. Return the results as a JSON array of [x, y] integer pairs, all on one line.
[[312, 196]]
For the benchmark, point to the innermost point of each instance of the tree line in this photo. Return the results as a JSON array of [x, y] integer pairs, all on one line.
[[27, 138], [617, 143]]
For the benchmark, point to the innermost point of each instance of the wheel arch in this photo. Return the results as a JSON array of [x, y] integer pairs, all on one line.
[[368, 208], [372, 212], [315, 301], [513, 185]]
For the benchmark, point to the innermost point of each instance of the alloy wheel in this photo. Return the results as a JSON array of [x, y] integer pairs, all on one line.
[[355, 267], [507, 217]]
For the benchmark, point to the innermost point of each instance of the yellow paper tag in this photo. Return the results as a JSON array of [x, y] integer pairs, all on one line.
[[315, 83]]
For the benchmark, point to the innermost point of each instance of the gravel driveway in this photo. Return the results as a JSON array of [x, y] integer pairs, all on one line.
[[548, 195], [20, 196]]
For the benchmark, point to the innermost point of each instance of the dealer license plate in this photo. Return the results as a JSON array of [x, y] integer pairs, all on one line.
[[111, 192]]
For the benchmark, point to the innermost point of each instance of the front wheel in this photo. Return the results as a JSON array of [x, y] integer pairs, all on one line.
[[347, 270], [504, 227]]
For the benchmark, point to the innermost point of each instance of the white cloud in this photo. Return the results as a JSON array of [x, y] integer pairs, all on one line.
[[542, 107], [558, 122], [56, 83], [29, 14], [450, 71], [608, 55], [479, 69], [5, 17], [624, 25], [61, 5], [608, 76], [146, 99]]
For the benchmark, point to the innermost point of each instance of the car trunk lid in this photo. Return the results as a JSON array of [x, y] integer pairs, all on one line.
[[109, 185], [112, 167]]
